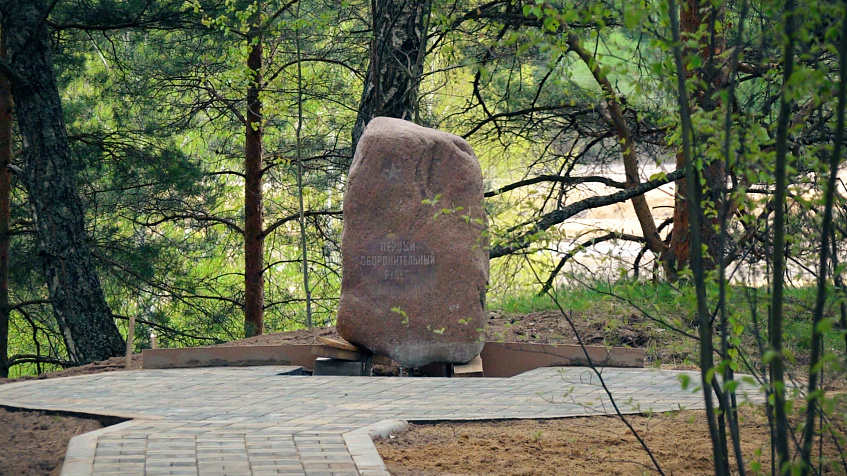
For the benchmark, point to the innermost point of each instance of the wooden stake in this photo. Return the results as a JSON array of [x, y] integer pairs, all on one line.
[[130, 334]]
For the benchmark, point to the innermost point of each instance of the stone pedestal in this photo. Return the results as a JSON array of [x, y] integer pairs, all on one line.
[[338, 367]]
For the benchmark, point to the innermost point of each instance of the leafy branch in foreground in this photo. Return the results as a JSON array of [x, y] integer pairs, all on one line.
[[815, 368]]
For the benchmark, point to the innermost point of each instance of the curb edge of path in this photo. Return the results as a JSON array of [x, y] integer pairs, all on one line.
[[360, 445], [79, 458]]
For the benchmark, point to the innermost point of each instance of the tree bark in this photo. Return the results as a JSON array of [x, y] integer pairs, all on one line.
[[5, 209], [254, 239], [397, 54], [78, 302], [678, 254]]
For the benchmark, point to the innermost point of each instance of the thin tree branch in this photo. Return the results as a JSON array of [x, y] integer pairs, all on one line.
[[201, 217], [599, 374], [230, 104], [627, 143], [614, 235], [775, 323], [175, 293], [826, 232], [22, 304], [313, 213], [729, 405], [169, 330], [18, 359], [696, 260], [282, 67], [279, 12], [558, 216], [567, 180], [522, 112], [228, 172]]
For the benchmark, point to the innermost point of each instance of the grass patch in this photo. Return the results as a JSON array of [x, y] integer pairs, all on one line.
[[665, 313], [615, 298]]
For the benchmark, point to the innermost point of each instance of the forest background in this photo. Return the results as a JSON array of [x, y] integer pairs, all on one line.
[[184, 163]]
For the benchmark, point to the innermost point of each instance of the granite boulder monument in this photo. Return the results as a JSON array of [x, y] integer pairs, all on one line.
[[414, 247]]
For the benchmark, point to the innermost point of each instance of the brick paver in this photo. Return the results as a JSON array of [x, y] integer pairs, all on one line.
[[257, 421]]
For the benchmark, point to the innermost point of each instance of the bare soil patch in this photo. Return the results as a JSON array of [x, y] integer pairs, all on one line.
[[34, 443], [598, 445]]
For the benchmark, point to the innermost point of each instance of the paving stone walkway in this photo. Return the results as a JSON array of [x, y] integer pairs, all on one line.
[[260, 421]]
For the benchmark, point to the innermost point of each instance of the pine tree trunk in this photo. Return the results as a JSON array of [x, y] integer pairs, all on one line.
[[679, 249], [254, 287], [397, 54], [5, 210], [677, 255], [78, 302]]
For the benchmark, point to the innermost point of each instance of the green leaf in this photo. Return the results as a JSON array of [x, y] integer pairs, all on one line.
[[731, 386], [694, 62], [631, 19], [824, 326], [710, 375], [769, 356], [816, 395]]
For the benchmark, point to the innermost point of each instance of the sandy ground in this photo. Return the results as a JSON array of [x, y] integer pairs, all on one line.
[[34, 443], [601, 445]]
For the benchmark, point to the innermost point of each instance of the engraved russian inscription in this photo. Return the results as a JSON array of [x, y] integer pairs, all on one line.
[[395, 265]]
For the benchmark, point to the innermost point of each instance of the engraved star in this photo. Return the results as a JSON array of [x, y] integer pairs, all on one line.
[[393, 173]]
